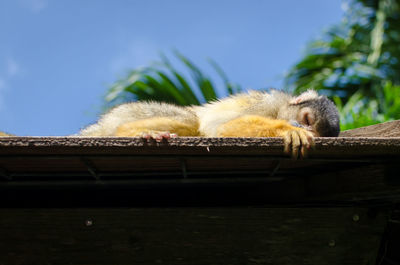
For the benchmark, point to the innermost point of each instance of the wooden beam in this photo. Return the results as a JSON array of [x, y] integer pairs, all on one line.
[[238, 235], [386, 129]]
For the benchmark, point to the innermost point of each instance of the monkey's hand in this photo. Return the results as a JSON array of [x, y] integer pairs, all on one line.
[[127, 130], [157, 135], [149, 135], [297, 142]]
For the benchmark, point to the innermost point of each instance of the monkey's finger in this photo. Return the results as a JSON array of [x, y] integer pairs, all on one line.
[[305, 143], [310, 138], [154, 135], [311, 141], [160, 136], [296, 144], [304, 151], [145, 135], [287, 142], [304, 139]]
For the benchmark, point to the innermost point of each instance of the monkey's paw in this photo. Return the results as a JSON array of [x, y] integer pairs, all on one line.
[[159, 136], [298, 142]]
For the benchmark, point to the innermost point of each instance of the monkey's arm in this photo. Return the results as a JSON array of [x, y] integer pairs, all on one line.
[[157, 128], [295, 139]]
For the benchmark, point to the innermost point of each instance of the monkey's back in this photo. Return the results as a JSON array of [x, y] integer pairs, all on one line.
[[214, 114], [130, 112]]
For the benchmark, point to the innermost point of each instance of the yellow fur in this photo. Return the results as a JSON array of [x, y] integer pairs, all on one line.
[[253, 114], [255, 126], [295, 139], [159, 124], [141, 116], [2, 134]]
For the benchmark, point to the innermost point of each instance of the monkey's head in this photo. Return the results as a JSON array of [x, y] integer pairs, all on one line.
[[317, 114]]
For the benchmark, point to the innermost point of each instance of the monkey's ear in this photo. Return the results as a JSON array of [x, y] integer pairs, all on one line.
[[308, 95]]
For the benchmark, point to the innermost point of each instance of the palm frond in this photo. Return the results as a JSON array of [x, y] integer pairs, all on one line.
[[163, 82]]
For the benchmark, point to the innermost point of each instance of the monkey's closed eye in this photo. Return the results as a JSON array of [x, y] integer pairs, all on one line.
[[308, 118]]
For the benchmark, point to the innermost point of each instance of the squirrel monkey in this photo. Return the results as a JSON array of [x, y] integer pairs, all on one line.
[[254, 114], [3, 134]]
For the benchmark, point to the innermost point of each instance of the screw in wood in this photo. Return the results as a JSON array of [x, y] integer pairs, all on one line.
[[356, 217], [89, 222]]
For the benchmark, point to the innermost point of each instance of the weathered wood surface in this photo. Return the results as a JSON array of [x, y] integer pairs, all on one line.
[[190, 236], [339, 184], [345, 170], [386, 129], [375, 139], [331, 147], [327, 209]]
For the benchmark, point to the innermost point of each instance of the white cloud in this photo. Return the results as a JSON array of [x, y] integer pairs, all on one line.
[[2, 84], [35, 6], [2, 89], [135, 53], [12, 67], [9, 69]]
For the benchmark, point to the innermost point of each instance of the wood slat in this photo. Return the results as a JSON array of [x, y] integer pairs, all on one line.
[[386, 129], [329, 147], [190, 236]]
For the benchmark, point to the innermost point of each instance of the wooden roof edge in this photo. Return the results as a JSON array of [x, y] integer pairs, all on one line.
[[73, 141], [385, 129], [380, 139], [329, 147]]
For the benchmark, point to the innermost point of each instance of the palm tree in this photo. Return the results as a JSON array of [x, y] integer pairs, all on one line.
[[358, 62], [163, 82]]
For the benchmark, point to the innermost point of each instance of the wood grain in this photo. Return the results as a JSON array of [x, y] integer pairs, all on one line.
[[190, 236], [386, 129], [194, 200], [324, 147]]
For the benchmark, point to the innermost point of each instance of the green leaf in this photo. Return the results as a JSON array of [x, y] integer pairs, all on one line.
[[163, 82], [203, 83]]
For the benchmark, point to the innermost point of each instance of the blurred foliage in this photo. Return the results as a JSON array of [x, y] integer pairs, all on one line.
[[357, 61], [360, 111], [163, 82]]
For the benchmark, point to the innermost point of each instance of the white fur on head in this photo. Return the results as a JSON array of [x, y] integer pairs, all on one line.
[[308, 95]]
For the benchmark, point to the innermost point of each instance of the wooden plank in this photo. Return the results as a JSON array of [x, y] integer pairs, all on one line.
[[329, 147], [324, 184], [386, 129], [238, 235]]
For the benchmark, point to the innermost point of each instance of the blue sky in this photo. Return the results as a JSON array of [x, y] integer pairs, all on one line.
[[57, 58]]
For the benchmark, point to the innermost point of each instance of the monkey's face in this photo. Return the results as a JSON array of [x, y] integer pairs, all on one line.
[[307, 119], [319, 116]]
